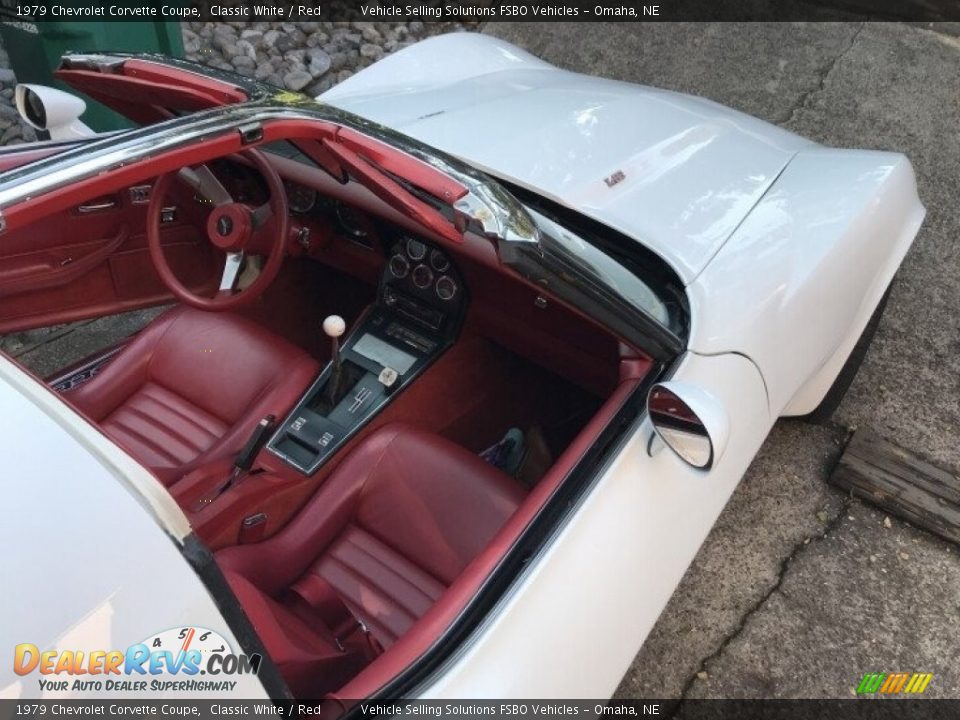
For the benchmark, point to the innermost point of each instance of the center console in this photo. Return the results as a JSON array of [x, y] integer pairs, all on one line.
[[420, 307]]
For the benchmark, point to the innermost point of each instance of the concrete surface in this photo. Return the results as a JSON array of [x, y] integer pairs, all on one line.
[[49, 349], [798, 590]]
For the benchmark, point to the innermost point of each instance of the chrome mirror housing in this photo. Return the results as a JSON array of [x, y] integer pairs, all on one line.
[[690, 421]]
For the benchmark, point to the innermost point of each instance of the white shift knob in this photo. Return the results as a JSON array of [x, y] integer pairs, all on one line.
[[334, 326]]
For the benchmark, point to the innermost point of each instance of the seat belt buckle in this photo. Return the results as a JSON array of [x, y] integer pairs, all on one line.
[[371, 642], [253, 528]]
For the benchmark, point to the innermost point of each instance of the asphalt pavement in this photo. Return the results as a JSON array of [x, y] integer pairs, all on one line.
[[799, 590]]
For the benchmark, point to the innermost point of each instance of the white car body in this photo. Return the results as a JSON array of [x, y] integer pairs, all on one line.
[[712, 191], [782, 275]]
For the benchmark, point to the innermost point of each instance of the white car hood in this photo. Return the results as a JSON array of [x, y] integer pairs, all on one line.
[[691, 169]]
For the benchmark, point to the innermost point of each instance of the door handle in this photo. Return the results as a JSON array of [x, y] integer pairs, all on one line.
[[58, 276], [97, 207]]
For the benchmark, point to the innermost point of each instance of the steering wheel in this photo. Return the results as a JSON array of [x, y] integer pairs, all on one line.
[[233, 227]]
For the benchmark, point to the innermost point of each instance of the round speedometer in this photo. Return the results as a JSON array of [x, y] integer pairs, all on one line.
[[301, 199]]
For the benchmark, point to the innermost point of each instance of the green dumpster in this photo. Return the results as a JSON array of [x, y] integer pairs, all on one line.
[[35, 49]]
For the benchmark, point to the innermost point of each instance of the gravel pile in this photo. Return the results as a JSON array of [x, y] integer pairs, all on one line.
[[13, 130], [307, 57]]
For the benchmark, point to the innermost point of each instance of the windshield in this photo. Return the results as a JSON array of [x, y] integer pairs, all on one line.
[[617, 264], [608, 271]]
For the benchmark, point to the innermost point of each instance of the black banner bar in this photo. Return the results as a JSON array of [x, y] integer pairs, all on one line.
[[478, 10], [865, 708]]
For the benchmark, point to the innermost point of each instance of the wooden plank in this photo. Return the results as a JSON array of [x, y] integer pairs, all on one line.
[[901, 483]]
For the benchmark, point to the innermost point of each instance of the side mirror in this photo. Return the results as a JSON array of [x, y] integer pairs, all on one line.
[[690, 421], [51, 110]]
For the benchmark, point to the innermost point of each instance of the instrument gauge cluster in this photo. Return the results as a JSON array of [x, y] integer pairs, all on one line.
[[425, 271]]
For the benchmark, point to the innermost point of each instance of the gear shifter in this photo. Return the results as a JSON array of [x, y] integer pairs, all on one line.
[[334, 326]]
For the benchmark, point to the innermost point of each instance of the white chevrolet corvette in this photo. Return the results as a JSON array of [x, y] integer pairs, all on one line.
[[467, 356]]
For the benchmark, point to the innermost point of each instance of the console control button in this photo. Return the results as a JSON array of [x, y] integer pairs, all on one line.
[[315, 432], [409, 337], [388, 376]]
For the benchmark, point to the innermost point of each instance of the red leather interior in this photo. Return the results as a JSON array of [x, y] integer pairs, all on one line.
[[394, 526], [425, 632], [82, 263], [406, 526], [190, 388], [470, 396]]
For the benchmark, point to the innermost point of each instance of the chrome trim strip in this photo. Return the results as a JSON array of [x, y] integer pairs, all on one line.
[[487, 207]]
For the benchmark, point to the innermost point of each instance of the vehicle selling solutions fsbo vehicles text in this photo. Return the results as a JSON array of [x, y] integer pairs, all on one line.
[[504, 11]]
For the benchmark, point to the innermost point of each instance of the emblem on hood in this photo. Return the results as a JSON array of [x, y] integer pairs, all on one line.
[[617, 177]]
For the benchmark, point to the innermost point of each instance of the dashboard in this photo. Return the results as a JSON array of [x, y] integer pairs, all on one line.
[[418, 279], [417, 315]]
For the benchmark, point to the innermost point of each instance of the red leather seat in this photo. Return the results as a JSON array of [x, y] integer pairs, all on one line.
[[391, 528], [191, 388]]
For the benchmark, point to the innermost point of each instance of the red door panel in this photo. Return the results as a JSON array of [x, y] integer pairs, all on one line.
[[93, 260]]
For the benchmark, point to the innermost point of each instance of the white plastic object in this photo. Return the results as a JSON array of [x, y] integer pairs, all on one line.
[[334, 326]]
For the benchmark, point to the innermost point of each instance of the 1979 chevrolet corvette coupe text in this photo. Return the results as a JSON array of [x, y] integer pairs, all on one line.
[[467, 356]]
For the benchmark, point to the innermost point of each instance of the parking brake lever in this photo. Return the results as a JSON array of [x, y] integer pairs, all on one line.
[[257, 440], [243, 462]]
